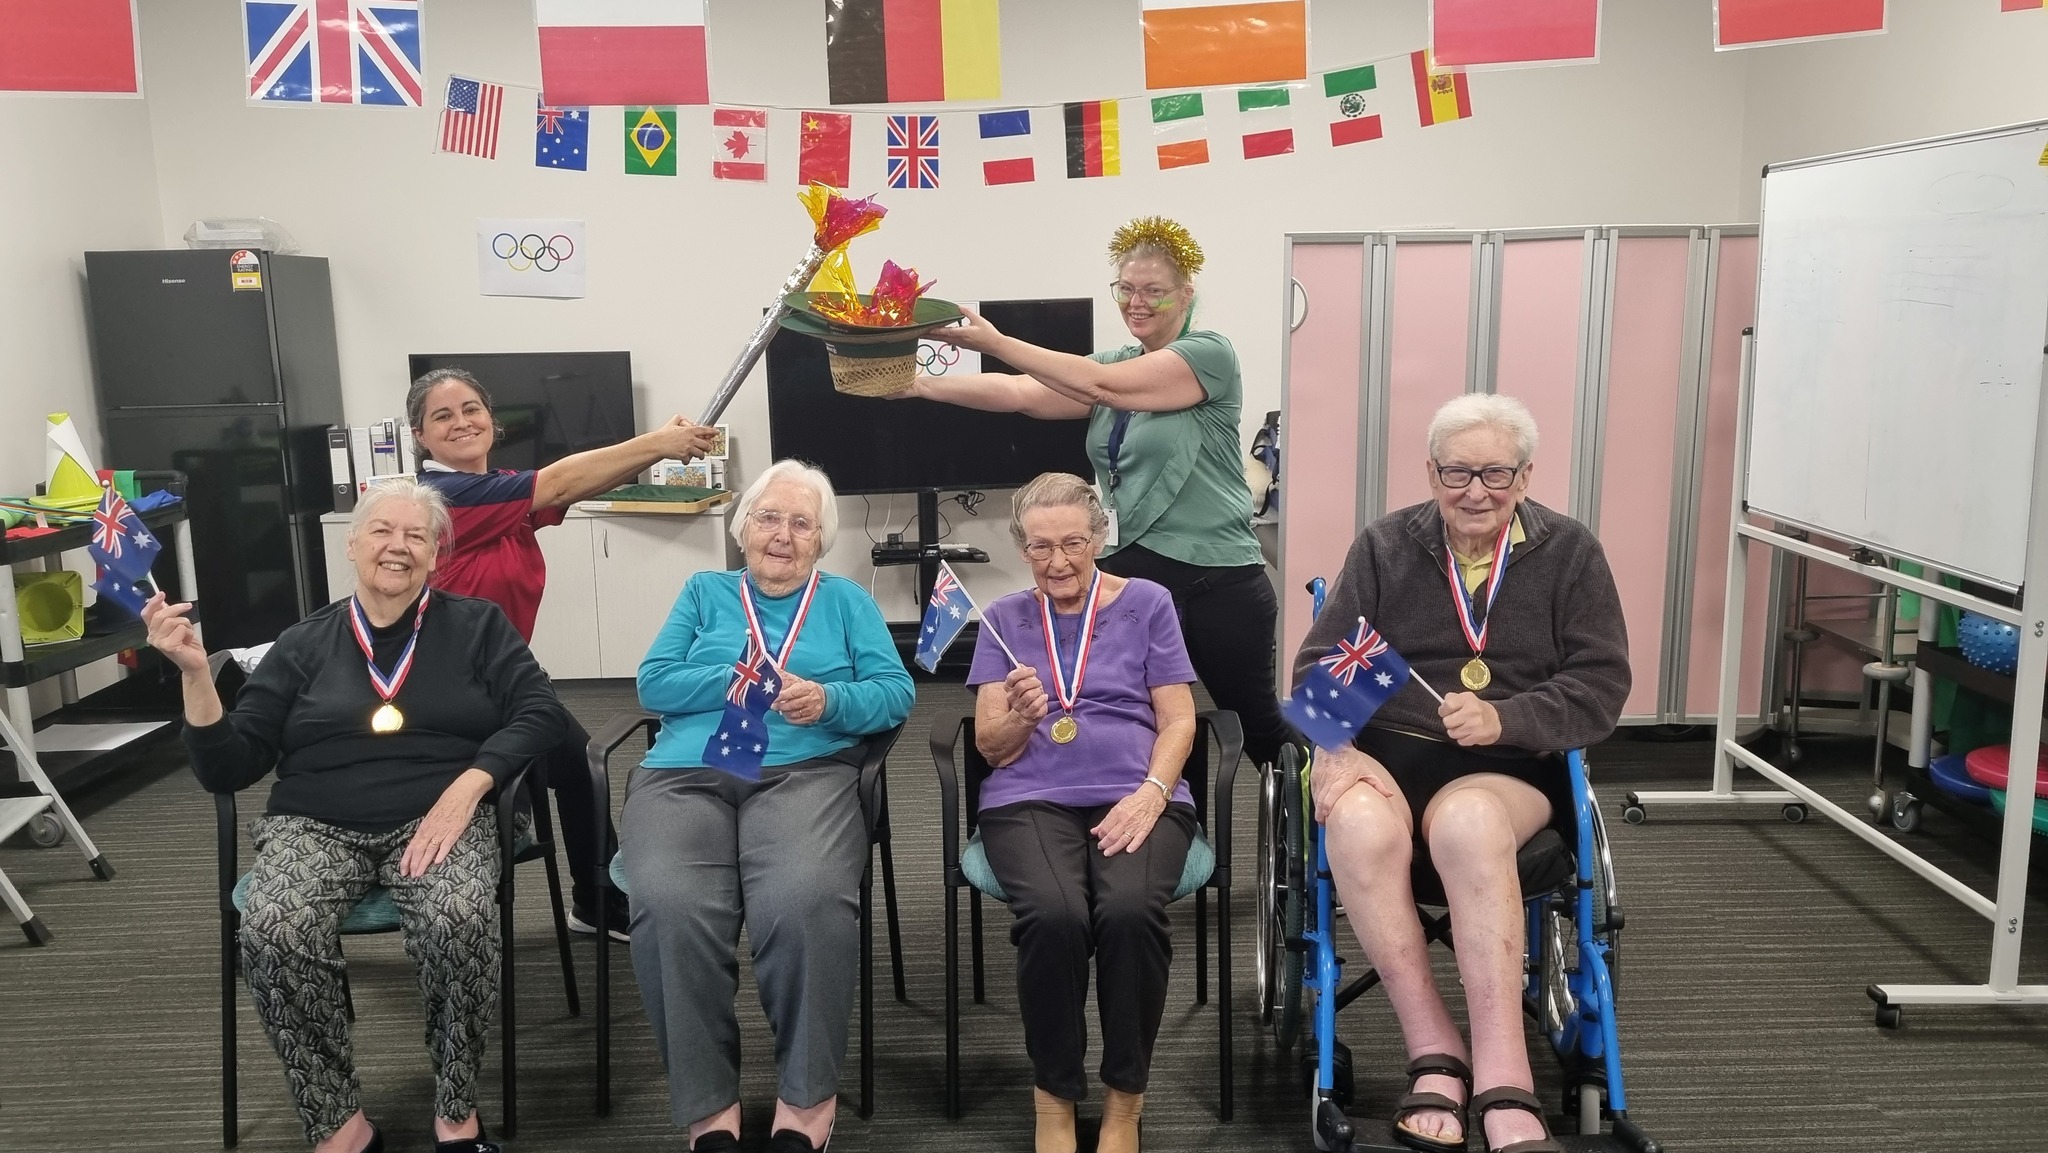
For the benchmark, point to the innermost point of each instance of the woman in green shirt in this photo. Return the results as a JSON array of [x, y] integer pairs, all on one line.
[[1163, 435]]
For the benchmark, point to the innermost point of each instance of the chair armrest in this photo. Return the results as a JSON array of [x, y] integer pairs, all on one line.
[[1228, 730], [508, 806], [874, 760], [946, 730], [599, 752], [227, 848]]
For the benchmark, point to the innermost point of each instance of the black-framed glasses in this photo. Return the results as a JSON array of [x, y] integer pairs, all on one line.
[[771, 521], [1042, 550], [1495, 476], [1124, 294]]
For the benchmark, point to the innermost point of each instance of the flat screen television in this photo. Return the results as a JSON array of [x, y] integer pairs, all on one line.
[[550, 404], [876, 446]]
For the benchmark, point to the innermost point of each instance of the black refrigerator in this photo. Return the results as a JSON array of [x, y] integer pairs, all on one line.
[[223, 365]]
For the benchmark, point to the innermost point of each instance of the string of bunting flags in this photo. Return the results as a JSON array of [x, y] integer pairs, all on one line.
[[931, 148]]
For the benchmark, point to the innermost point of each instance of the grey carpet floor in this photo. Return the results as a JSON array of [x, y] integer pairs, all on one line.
[[1744, 1021]]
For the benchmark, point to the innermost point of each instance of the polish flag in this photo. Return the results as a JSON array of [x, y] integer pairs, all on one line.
[[622, 52]]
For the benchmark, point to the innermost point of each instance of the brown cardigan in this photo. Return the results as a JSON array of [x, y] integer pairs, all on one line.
[[1557, 646]]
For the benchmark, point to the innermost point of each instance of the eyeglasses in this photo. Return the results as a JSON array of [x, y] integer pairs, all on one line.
[[1124, 294], [1041, 550], [1496, 477], [770, 521]]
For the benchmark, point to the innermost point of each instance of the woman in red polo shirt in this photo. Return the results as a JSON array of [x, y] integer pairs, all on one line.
[[496, 557]]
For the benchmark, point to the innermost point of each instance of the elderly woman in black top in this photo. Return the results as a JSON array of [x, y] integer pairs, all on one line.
[[389, 718]]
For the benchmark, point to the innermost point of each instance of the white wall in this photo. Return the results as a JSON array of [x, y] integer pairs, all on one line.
[[680, 267], [1945, 66]]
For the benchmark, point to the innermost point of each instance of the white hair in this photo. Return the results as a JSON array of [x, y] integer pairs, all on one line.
[[805, 474], [383, 491], [1462, 414], [1056, 490]]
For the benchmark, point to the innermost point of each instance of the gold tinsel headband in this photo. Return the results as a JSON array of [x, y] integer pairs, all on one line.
[[1159, 232]]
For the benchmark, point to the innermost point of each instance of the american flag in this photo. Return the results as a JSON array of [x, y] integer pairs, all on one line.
[[333, 51], [469, 122], [913, 152]]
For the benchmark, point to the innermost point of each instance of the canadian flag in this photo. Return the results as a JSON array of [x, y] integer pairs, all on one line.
[[739, 144]]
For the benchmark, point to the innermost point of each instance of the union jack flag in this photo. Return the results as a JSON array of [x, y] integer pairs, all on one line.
[[1353, 655], [913, 152], [333, 51], [752, 675], [121, 544], [108, 531]]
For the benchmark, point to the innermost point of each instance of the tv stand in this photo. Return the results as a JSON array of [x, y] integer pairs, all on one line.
[[926, 553]]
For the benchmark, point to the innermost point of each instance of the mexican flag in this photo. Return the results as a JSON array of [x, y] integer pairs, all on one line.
[[1352, 97]]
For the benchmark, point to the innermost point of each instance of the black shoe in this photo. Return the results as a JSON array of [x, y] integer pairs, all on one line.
[[617, 921], [791, 1141], [716, 1141], [477, 1144]]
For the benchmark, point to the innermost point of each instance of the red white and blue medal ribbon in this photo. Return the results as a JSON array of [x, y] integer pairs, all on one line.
[[1475, 675], [1068, 689], [796, 623], [387, 718]]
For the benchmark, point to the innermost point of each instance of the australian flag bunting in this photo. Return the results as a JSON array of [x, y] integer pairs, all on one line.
[[1343, 690], [124, 548], [944, 616], [740, 741], [332, 52]]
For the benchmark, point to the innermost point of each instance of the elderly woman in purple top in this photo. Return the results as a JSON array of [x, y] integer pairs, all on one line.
[[1086, 821]]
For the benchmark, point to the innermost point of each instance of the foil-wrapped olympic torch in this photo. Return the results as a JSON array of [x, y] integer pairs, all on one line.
[[836, 221]]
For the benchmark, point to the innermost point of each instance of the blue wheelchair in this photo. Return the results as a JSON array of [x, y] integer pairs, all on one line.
[[1574, 921]]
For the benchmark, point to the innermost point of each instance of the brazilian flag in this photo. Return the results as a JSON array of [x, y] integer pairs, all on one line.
[[651, 141]]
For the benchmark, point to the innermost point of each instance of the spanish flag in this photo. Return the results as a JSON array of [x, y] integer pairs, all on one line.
[[889, 51], [1439, 95], [1202, 43]]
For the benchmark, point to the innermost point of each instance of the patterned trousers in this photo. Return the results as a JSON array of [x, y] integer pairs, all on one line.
[[308, 875]]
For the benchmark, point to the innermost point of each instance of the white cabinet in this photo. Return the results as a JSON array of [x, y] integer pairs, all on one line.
[[612, 578]]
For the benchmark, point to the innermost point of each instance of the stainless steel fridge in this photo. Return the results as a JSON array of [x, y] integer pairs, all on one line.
[[223, 365]]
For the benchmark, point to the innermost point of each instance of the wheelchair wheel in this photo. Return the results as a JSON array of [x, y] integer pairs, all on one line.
[[1290, 899], [1268, 896]]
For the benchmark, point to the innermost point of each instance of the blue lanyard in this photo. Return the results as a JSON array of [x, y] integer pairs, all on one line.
[[1117, 429]]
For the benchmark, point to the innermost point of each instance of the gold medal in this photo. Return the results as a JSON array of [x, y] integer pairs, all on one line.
[[387, 719], [1475, 675], [1065, 730]]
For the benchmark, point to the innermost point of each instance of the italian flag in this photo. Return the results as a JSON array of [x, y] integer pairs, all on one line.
[[1350, 94], [1180, 133], [1440, 95], [1267, 115]]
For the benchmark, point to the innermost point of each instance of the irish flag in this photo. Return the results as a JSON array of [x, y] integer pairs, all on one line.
[[1200, 43], [1440, 95], [888, 51], [1180, 132], [622, 52]]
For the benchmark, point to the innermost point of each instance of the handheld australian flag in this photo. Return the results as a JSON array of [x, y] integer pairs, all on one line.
[[944, 616], [740, 741], [124, 548], [1342, 691]]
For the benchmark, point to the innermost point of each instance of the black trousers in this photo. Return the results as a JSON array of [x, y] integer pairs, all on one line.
[[1228, 616], [567, 768], [1071, 902]]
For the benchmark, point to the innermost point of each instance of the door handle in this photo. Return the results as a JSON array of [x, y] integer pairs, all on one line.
[[604, 541], [1297, 290]]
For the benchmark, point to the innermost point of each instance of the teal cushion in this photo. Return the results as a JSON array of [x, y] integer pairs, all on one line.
[[1194, 872], [375, 913], [618, 872]]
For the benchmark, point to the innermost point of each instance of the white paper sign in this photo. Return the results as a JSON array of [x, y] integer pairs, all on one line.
[[937, 358], [530, 258]]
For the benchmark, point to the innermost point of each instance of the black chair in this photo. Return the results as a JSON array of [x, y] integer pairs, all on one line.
[[874, 804], [966, 868], [376, 913]]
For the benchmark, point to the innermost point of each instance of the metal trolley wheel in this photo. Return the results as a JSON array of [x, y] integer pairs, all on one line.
[[45, 831], [1286, 899]]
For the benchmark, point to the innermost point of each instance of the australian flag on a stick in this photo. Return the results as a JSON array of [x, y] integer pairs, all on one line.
[[1342, 691], [124, 548], [741, 738]]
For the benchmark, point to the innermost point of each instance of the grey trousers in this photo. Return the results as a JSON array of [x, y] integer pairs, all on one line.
[[702, 849], [308, 875]]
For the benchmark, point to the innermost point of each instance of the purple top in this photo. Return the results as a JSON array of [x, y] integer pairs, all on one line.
[[1137, 648]]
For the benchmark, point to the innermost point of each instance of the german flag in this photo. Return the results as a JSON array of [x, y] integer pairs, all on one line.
[[1439, 95], [1094, 146], [890, 51]]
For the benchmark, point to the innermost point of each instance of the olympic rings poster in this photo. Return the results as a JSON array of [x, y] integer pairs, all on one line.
[[937, 358], [530, 258]]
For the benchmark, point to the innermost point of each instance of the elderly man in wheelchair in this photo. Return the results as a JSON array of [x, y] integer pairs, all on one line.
[[1512, 603]]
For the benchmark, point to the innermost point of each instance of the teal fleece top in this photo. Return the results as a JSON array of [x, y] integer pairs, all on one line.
[[845, 647]]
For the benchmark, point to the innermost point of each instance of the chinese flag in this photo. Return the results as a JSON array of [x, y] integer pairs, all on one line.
[[825, 149]]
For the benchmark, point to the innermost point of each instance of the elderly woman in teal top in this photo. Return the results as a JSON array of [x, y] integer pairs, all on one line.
[[766, 681], [1163, 435]]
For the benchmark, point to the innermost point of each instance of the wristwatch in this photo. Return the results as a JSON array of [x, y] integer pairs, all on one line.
[[1163, 790]]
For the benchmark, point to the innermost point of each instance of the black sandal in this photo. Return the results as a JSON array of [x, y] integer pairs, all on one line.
[[1510, 1097], [1429, 1064]]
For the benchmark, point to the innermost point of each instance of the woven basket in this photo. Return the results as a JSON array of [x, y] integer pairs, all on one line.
[[873, 375]]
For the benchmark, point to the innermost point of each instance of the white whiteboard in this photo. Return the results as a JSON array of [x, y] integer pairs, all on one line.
[[1902, 314]]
